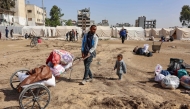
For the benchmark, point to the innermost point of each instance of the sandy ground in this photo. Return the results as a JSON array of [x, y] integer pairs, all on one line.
[[137, 90]]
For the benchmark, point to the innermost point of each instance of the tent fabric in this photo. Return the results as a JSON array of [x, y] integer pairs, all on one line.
[[51, 31], [155, 32], [183, 33], [165, 32], [34, 30], [148, 32], [134, 33], [62, 30], [103, 32], [16, 29]]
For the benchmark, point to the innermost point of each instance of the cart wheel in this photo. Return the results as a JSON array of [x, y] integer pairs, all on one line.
[[36, 96], [14, 81], [33, 42]]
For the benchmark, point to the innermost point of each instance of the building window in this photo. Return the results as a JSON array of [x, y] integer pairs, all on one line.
[[29, 19], [29, 11]]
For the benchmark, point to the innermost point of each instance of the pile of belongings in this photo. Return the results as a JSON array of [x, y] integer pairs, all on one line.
[[142, 51], [59, 61], [40, 75], [174, 75]]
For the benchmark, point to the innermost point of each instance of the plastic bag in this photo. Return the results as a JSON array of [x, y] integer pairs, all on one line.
[[145, 48], [181, 73], [158, 69], [170, 82], [21, 76], [57, 70], [159, 77], [185, 81], [68, 65], [65, 57], [165, 72], [49, 82]]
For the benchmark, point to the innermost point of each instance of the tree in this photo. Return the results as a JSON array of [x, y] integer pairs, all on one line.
[[185, 16], [69, 22], [47, 22], [55, 18], [7, 4]]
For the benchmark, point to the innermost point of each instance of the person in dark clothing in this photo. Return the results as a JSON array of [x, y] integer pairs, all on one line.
[[67, 36], [73, 35], [162, 38], [126, 34], [89, 44], [171, 39], [70, 36], [123, 35], [11, 33], [0, 35], [26, 36], [6, 32]]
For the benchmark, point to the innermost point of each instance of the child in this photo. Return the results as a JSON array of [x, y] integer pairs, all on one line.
[[120, 66]]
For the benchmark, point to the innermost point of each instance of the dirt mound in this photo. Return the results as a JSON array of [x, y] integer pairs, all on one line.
[[135, 103]]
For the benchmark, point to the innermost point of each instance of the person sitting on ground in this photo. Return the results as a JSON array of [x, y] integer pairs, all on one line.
[[170, 39], [163, 39], [151, 38], [120, 66]]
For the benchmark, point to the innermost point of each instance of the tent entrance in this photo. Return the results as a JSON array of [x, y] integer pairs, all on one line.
[[174, 35]]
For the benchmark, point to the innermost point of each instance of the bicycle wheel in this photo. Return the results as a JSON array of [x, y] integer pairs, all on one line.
[[33, 42]]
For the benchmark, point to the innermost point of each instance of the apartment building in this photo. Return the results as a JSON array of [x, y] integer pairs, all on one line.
[[20, 13], [83, 18], [35, 15], [145, 24]]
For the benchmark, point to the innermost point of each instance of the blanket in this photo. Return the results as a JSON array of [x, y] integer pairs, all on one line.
[[35, 75]]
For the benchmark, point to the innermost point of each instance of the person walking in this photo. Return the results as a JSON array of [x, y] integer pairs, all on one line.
[[77, 35], [0, 35], [89, 45], [6, 32], [123, 34], [73, 35], [67, 36], [11, 33], [120, 66]]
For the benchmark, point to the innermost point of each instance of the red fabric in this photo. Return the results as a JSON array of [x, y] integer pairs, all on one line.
[[39, 41], [175, 73], [54, 58]]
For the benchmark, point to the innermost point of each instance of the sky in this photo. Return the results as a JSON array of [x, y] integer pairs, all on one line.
[[166, 12]]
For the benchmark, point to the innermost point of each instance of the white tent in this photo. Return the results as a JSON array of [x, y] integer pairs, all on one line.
[[148, 32], [62, 30], [51, 31], [34, 30], [155, 32], [183, 33], [134, 33], [165, 32], [103, 32], [16, 29]]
